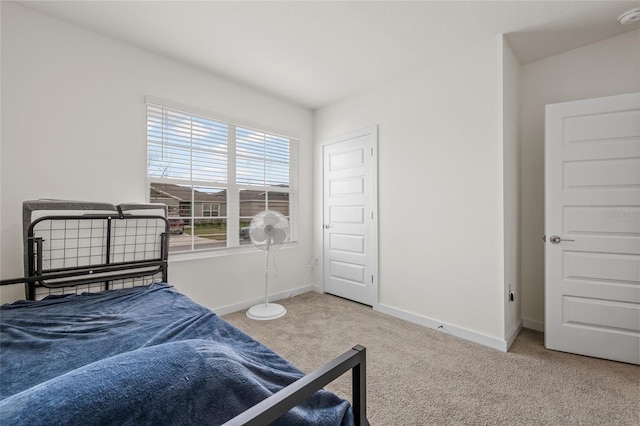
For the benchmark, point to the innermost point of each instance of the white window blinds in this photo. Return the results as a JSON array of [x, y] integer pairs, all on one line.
[[262, 159], [205, 168], [184, 146]]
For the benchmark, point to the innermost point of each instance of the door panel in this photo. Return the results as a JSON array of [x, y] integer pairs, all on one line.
[[592, 190], [348, 272], [596, 219], [606, 174], [346, 187], [347, 243], [609, 267], [349, 217], [346, 214]]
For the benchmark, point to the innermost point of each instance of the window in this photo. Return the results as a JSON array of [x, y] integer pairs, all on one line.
[[214, 176], [210, 209]]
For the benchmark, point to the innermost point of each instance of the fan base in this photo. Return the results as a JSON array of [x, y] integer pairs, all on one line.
[[266, 311]]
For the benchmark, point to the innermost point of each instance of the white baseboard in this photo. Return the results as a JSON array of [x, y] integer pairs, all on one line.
[[533, 324], [492, 342], [463, 333], [514, 333], [229, 309]]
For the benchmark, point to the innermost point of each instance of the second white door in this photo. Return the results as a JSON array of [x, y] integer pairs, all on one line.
[[593, 227], [350, 216]]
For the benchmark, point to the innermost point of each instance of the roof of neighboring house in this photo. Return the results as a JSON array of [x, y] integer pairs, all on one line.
[[249, 195], [183, 193]]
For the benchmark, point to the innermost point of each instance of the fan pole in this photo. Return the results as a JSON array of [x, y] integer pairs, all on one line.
[[266, 311], [266, 275]]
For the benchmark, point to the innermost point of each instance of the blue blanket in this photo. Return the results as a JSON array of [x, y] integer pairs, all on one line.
[[145, 355]]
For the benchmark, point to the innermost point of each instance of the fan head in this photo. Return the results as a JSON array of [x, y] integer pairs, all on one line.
[[268, 230]]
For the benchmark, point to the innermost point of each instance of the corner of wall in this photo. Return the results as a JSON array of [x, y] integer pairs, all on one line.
[[511, 188], [1, 227], [605, 68]]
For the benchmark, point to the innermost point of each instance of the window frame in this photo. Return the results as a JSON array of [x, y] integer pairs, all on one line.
[[232, 216], [210, 209]]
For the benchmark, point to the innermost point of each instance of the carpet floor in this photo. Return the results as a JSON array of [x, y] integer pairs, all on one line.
[[420, 376]]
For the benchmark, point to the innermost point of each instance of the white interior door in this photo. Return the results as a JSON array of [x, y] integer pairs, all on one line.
[[592, 226], [350, 216]]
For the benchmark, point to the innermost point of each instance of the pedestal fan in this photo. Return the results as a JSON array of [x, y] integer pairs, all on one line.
[[268, 230]]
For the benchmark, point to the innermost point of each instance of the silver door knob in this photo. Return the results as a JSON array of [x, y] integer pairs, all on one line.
[[556, 239]]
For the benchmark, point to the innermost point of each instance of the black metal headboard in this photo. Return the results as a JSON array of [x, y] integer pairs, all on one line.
[[77, 250]]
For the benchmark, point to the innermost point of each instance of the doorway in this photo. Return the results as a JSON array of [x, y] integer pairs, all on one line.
[[350, 216]]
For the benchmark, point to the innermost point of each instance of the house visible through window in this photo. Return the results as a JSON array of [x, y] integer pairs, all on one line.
[[210, 209], [214, 176]]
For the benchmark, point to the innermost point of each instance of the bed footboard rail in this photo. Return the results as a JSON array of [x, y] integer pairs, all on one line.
[[281, 402], [93, 252]]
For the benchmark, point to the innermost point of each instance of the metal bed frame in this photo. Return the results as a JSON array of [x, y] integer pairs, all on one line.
[[104, 254], [49, 268]]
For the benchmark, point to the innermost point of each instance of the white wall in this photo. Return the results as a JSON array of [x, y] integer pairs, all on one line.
[[74, 127], [13, 290], [605, 68], [441, 194], [511, 187]]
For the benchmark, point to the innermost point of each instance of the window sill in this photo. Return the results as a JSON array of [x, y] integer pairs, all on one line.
[[229, 251]]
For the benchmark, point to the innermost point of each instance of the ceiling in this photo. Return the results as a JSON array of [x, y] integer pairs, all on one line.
[[314, 53]]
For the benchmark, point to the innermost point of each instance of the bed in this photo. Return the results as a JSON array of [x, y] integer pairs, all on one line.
[[104, 339]]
